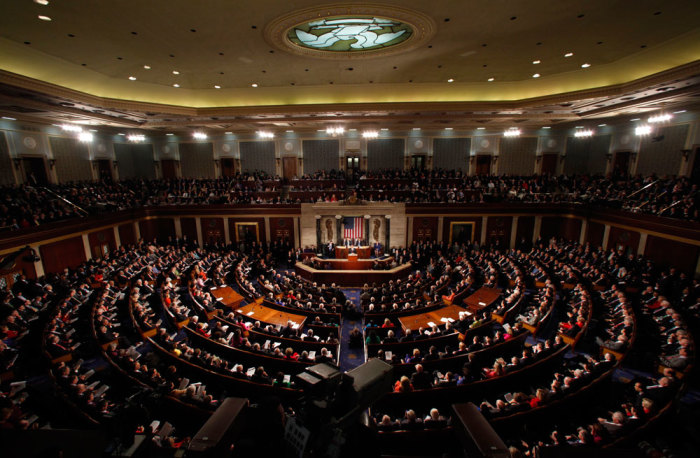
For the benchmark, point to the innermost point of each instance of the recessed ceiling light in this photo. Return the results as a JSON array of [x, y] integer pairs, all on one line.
[[546, 127], [175, 72], [602, 125], [42, 2], [169, 134], [132, 78], [679, 112], [491, 79], [450, 80], [586, 65], [228, 133], [147, 67], [416, 128], [320, 130], [9, 118], [384, 129], [176, 85], [254, 85], [121, 134], [568, 54], [536, 62], [448, 128], [44, 18], [352, 130], [481, 128], [216, 86], [536, 75], [634, 119], [289, 131]]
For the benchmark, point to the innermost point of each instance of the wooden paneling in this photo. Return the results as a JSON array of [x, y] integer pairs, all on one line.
[[126, 234], [498, 230], [57, 256], [557, 226], [157, 229], [667, 253], [448, 220], [260, 222], [623, 239], [282, 228], [594, 234], [525, 229], [189, 228], [99, 239], [425, 228], [212, 230]]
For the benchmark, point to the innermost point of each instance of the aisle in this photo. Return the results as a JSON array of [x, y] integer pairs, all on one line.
[[350, 358]]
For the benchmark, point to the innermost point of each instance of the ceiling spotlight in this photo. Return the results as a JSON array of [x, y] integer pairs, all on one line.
[[42, 2], [132, 78], [71, 128], [451, 80], [121, 134], [352, 130], [176, 85], [9, 118], [586, 65], [384, 129], [659, 118], [536, 75], [85, 137], [602, 125], [535, 62], [679, 112], [175, 72], [546, 127], [44, 18], [169, 134], [583, 133], [228, 133], [147, 67], [254, 85], [289, 131], [449, 128], [263, 134], [216, 86], [512, 132], [416, 128], [491, 79], [481, 128], [335, 131], [568, 54], [370, 134], [642, 130], [136, 138], [634, 119], [199, 135]]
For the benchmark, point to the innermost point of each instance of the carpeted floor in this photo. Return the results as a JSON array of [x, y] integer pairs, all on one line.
[[350, 358]]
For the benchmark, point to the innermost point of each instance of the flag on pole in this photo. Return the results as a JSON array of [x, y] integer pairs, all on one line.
[[353, 228]]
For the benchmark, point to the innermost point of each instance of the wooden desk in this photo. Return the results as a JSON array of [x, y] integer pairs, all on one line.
[[363, 252], [421, 320], [352, 263], [482, 298], [227, 296], [259, 312], [351, 277]]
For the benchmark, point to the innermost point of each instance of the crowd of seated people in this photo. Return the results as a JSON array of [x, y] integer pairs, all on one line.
[[26, 206], [412, 422]]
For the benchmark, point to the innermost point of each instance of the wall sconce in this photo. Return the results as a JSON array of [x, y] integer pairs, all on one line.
[[52, 163]]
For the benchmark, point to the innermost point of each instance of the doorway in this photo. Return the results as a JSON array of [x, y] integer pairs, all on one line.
[[168, 167], [289, 168], [621, 164], [104, 170], [695, 171], [35, 171], [418, 161], [549, 163], [228, 169], [483, 164]]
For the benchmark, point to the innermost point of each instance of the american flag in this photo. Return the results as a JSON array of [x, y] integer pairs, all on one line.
[[353, 228]]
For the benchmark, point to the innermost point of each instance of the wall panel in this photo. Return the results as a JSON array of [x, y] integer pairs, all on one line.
[[667, 253], [594, 234], [282, 228], [258, 156], [212, 230], [189, 228], [620, 238], [72, 159], [660, 152], [57, 256], [157, 229], [525, 230], [126, 234], [196, 160], [387, 153], [425, 228], [587, 155], [320, 155], [498, 230], [517, 156], [6, 164], [134, 160], [451, 153]]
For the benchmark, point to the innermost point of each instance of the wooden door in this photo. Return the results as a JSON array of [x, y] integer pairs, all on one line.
[[228, 168], [418, 161], [104, 169], [695, 171], [483, 164], [289, 167], [168, 167], [35, 171], [621, 165], [549, 163]]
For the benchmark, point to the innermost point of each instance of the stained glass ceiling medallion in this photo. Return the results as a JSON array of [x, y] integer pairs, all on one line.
[[350, 33]]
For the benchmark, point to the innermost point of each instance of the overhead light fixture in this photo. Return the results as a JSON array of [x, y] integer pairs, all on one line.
[[335, 130], [93, 130], [568, 54], [535, 62], [42, 2], [132, 78], [176, 85], [71, 128], [216, 86], [634, 119], [586, 65], [583, 133], [352, 130], [679, 111], [147, 67], [9, 118], [642, 130], [121, 134], [602, 125], [491, 79], [136, 138], [512, 132], [451, 80], [254, 85], [228, 133], [481, 128], [536, 75], [546, 127], [199, 135], [660, 118], [85, 137], [416, 128], [448, 128], [175, 72], [289, 131], [44, 18], [384, 129], [370, 134], [169, 134], [263, 134]]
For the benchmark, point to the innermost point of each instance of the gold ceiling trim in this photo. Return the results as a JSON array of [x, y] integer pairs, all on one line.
[[423, 28]]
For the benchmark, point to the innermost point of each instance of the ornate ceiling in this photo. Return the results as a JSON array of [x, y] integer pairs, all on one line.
[[116, 63]]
